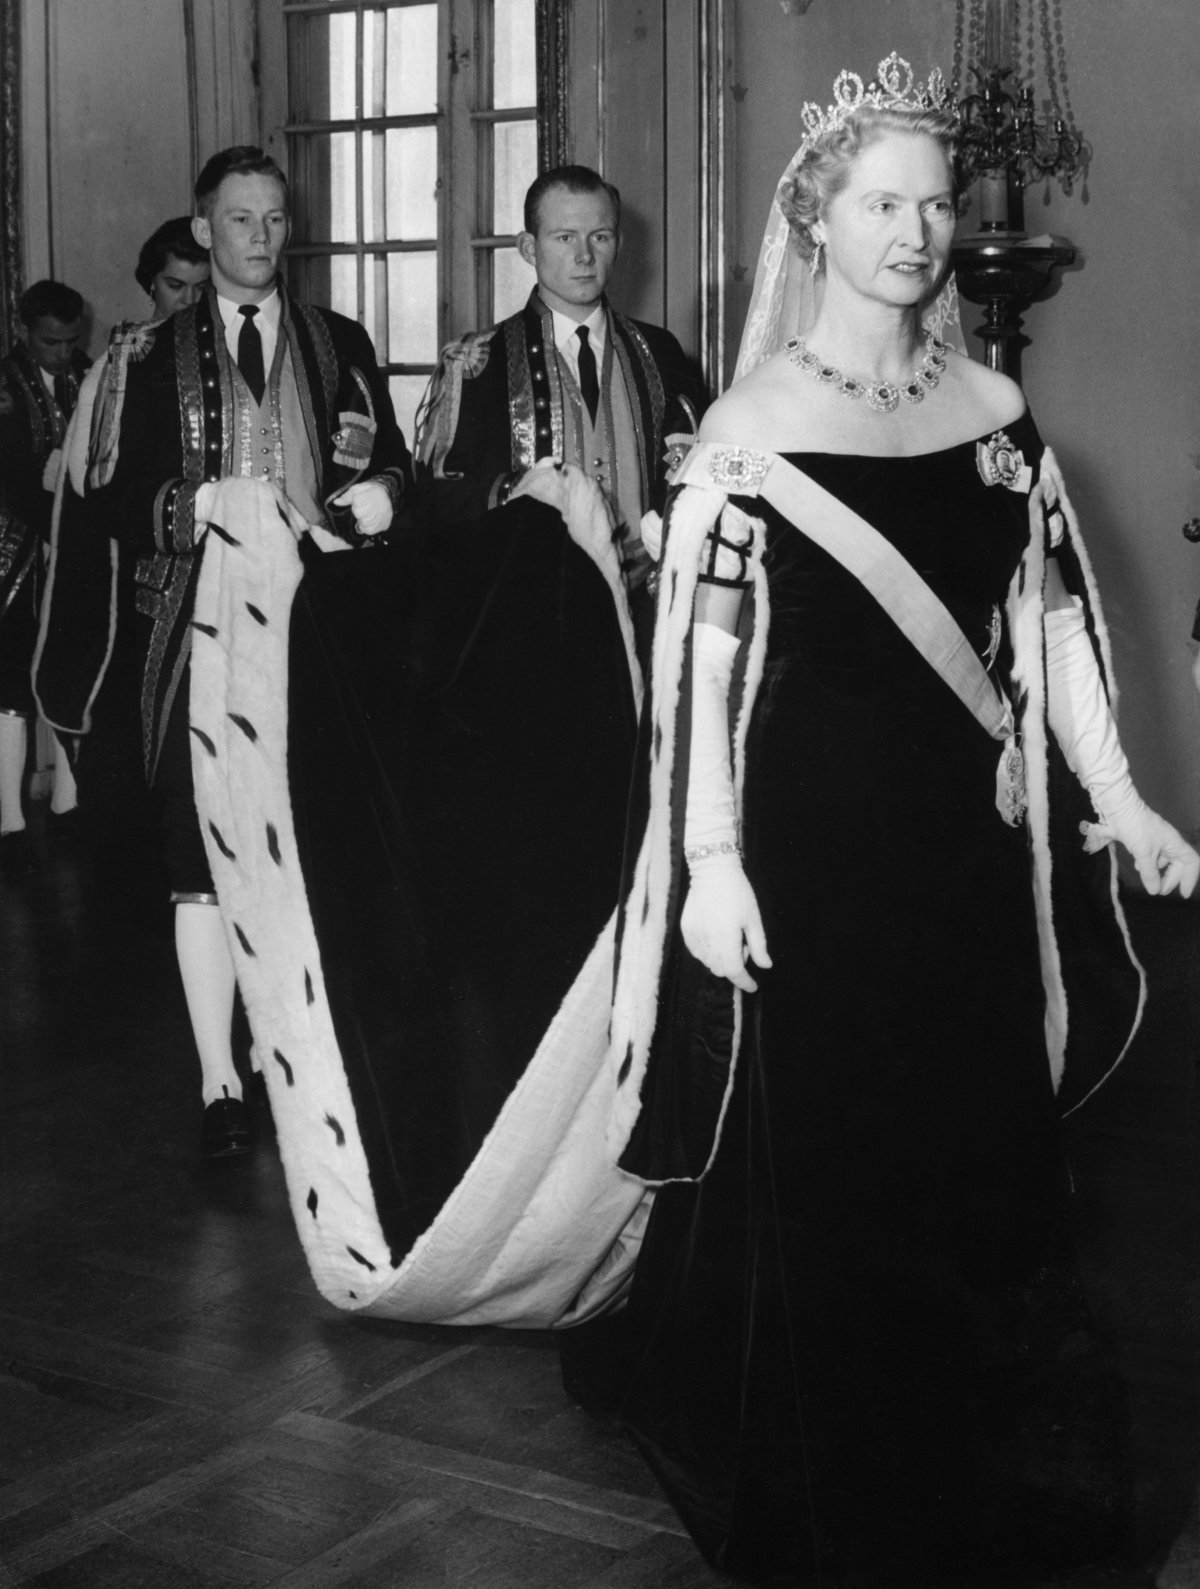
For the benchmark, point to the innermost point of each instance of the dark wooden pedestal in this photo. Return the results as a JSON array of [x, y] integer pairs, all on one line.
[[1005, 273]]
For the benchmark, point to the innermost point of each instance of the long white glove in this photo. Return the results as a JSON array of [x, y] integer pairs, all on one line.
[[721, 924], [1083, 724]]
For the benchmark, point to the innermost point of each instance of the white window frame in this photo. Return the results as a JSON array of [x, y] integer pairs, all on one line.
[[466, 242]]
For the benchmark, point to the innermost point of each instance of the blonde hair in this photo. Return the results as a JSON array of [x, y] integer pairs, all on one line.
[[824, 169]]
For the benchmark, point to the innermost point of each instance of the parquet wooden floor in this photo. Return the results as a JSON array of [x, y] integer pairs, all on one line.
[[180, 1410]]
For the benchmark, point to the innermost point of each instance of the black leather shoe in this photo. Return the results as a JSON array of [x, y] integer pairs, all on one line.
[[16, 855], [226, 1129]]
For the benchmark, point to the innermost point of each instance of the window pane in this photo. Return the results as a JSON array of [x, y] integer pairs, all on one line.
[[343, 98], [343, 185], [321, 68], [324, 187], [412, 308], [407, 391], [308, 177], [343, 285], [513, 283], [374, 302], [373, 188], [514, 168], [411, 183], [373, 63], [308, 279], [515, 80], [412, 61]]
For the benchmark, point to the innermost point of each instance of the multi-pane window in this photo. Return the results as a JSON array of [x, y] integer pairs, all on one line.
[[412, 136], [505, 154]]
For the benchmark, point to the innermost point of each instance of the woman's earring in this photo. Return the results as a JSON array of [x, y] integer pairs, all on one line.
[[814, 263]]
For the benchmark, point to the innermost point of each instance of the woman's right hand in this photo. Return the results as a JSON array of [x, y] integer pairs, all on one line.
[[721, 924]]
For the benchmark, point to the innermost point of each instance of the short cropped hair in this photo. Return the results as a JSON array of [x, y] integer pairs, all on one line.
[[172, 240], [576, 179], [50, 299], [242, 160]]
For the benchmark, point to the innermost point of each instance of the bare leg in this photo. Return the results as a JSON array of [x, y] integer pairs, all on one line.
[[66, 796], [14, 740], [206, 967]]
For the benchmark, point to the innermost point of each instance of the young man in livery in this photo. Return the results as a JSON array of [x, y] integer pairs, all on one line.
[[248, 382], [567, 386], [39, 384]]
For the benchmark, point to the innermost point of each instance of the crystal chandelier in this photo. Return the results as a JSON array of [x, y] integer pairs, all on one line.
[[1008, 46]]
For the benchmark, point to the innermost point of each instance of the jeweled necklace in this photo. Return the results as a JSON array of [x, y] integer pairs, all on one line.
[[883, 396]]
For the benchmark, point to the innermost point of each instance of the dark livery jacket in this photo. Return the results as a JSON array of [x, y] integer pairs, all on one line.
[[166, 421], [32, 425], [495, 406]]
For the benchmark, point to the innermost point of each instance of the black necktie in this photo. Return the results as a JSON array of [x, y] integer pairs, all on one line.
[[589, 385], [250, 357]]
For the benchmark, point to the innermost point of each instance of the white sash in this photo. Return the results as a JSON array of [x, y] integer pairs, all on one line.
[[915, 609]]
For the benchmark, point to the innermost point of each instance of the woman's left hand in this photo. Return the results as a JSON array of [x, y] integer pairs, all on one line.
[[1163, 857]]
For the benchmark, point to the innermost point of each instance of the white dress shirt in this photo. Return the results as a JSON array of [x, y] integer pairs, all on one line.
[[567, 342], [267, 320]]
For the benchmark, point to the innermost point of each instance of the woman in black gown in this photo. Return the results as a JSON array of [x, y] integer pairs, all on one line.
[[859, 1355]]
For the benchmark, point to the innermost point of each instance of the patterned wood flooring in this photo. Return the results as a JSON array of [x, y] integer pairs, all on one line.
[[179, 1408]]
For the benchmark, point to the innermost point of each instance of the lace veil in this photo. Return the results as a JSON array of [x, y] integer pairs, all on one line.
[[786, 295]]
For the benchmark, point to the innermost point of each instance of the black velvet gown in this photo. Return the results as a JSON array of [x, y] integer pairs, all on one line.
[[861, 1354]]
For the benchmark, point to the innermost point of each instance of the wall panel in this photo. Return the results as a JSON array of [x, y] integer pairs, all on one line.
[[636, 104], [120, 99]]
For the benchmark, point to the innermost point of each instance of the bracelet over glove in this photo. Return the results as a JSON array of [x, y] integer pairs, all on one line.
[[721, 924]]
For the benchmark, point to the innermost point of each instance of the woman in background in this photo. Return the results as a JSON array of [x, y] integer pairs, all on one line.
[[172, 268]]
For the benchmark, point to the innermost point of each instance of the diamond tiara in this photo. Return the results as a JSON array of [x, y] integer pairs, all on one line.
[[892, 89]]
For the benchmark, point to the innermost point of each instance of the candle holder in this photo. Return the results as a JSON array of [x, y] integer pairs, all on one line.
[[1005, 272], [1007, 146], [1001, 137]]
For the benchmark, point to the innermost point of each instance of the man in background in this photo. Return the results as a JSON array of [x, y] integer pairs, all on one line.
[[565, 386], [39, 386], [248, 384]]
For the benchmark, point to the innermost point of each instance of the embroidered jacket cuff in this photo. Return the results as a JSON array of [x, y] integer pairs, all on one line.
[[502, 488], [393, 482], [175, 517]]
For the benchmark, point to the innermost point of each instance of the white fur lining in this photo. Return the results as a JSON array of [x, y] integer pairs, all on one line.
[[590, 523], [541, 1228], [1052, 491], [694, 512]]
